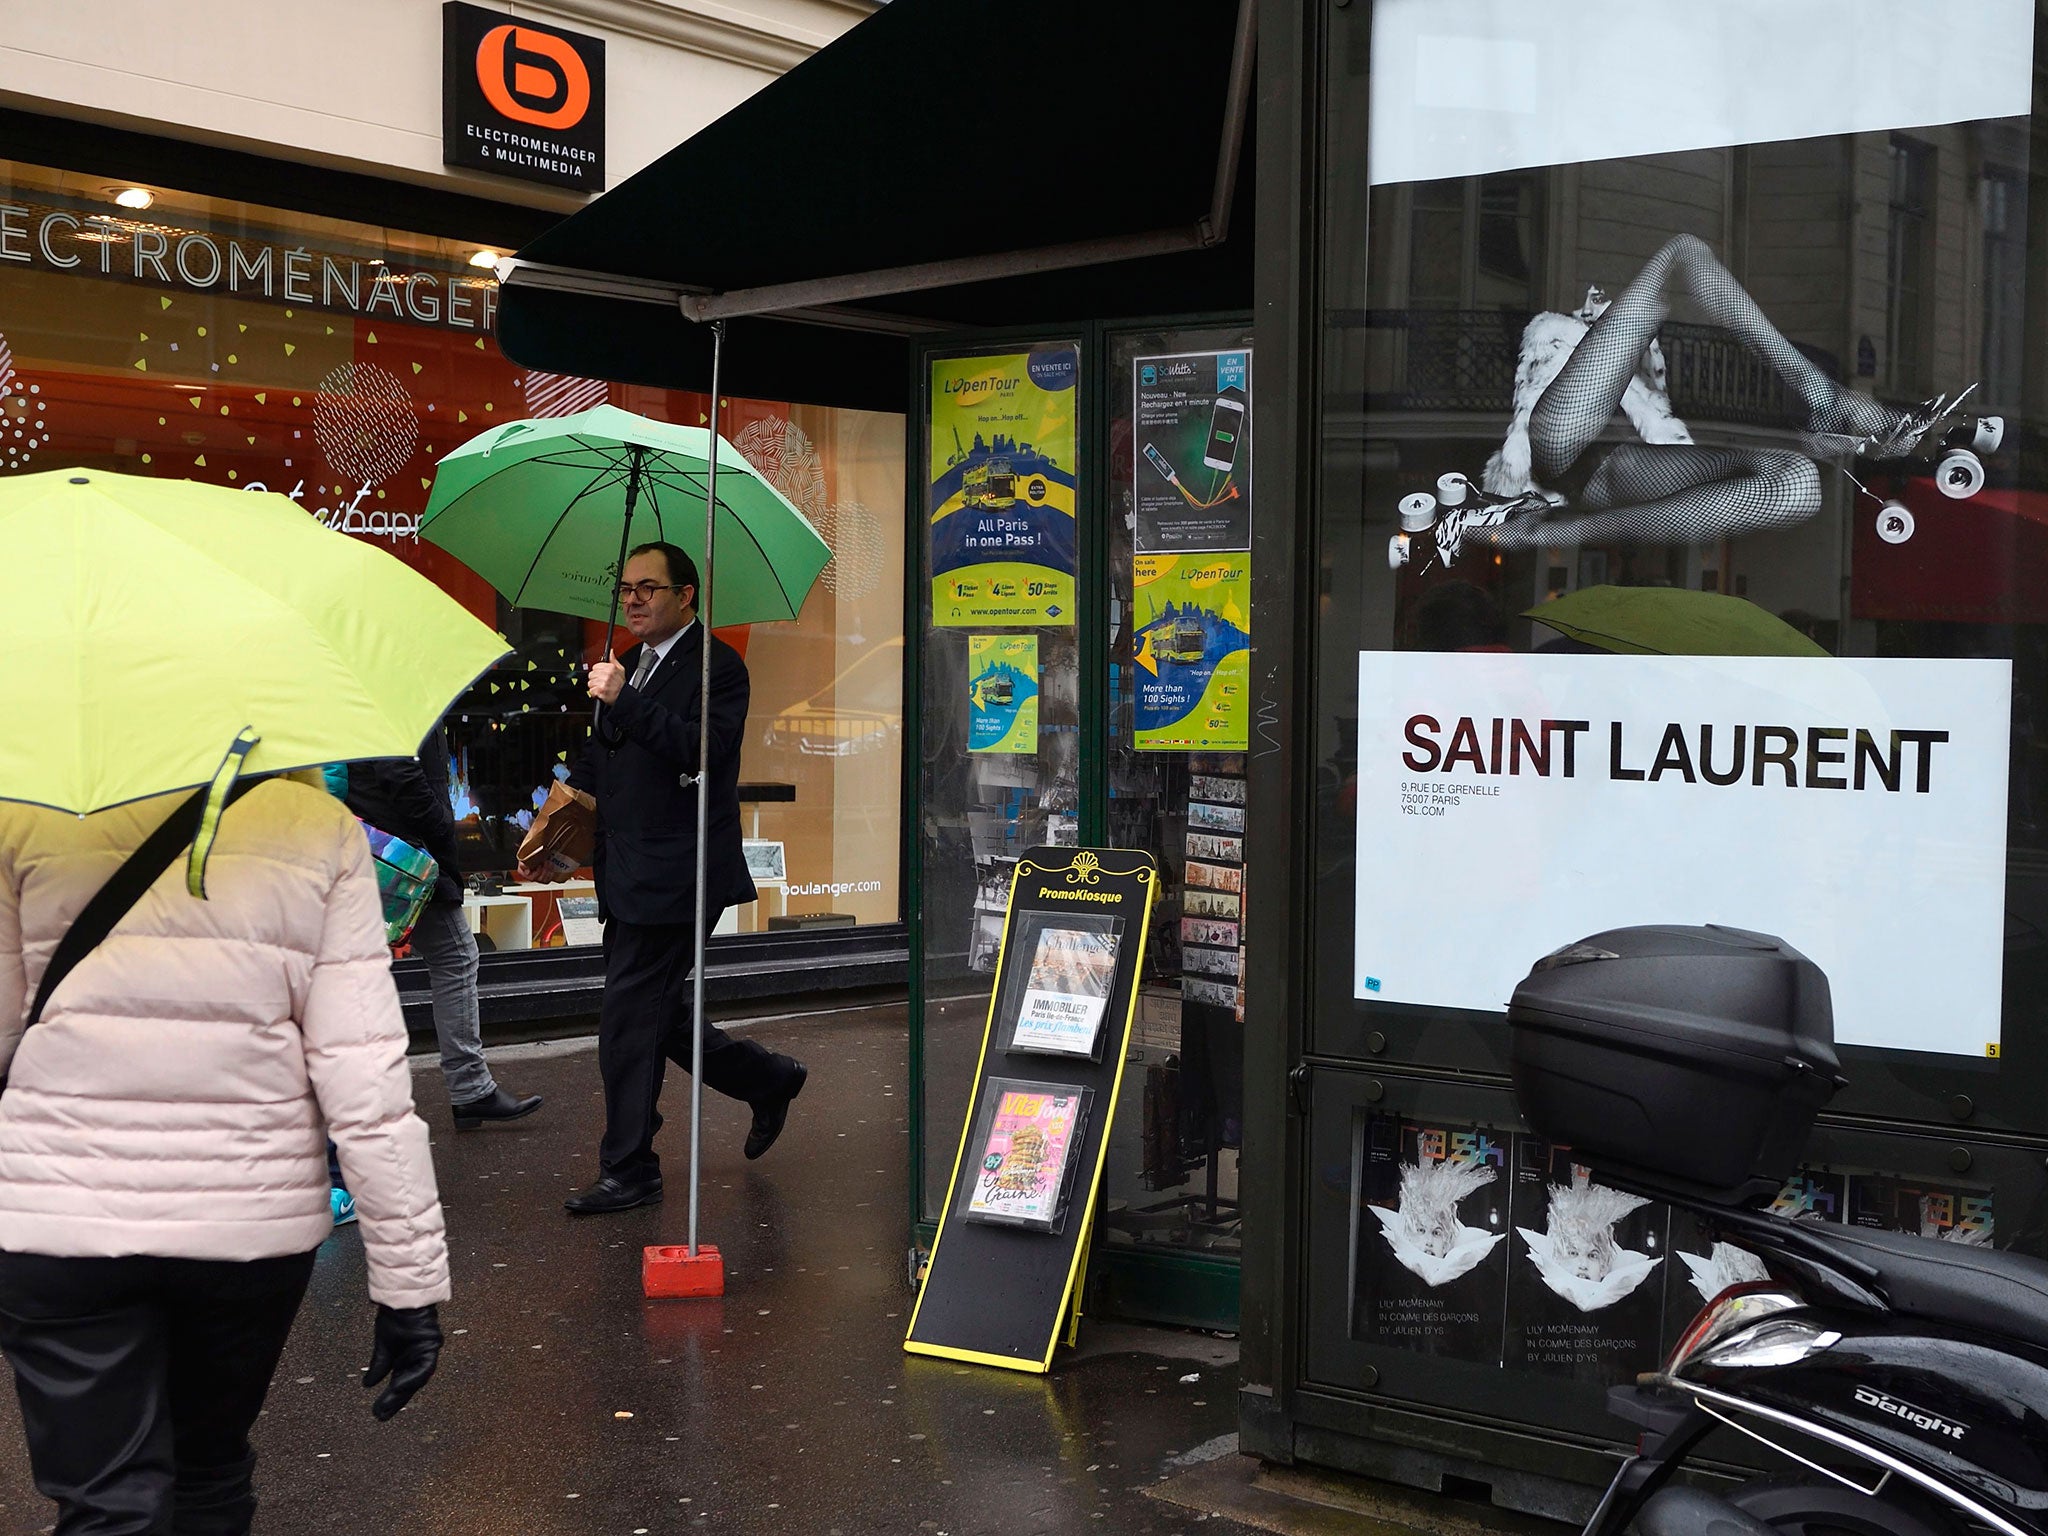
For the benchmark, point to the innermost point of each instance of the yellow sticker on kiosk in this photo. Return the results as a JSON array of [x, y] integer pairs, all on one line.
[[1002, 685], [1000, 488], [1193, 658]]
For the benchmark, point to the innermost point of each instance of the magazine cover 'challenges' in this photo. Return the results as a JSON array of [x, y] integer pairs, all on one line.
[[1068, 986]]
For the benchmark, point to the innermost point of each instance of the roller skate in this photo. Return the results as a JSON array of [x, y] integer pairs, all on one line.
[[1940, 435], [1458, 509], [1939, 440]]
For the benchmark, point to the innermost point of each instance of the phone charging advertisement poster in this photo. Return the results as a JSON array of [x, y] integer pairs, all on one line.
[[1509, 805], [1193, 652], [1001, 489], [1432, 1238], [1002, 686], [1585, 1289], [1192, 461]]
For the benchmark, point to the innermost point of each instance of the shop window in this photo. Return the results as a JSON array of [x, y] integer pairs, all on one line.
[[1706, 403], [336, 363], [1173, 1166], [1001, 465]]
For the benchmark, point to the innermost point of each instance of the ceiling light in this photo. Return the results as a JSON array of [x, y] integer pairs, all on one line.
[[134, 197], [484, 259]]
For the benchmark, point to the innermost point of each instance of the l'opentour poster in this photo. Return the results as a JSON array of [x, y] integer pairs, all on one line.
[[1856, 808]]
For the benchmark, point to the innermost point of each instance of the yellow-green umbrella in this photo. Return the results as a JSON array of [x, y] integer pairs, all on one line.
[[1671, 621], [149, 623]]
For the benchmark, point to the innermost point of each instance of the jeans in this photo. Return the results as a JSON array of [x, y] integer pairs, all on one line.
[[442, 939], [139, 1379]]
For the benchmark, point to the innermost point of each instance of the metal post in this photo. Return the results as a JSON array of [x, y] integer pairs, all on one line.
[[703, 786]]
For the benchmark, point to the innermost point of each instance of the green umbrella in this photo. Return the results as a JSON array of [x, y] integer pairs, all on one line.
[[544, 511], [1671, 621], [151, 620]]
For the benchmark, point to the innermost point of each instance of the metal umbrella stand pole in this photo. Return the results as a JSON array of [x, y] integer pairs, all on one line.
[[704, 792]]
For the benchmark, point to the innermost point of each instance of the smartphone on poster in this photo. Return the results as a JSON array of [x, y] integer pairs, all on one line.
[[1226, 431]]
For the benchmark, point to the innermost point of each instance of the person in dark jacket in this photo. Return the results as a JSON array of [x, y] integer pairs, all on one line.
[[641, 764], [408, 797]]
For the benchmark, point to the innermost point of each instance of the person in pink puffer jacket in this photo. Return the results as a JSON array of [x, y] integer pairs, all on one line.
[[163, 1131]]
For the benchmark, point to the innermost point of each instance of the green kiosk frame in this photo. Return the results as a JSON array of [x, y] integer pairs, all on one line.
[[1163, 1247]]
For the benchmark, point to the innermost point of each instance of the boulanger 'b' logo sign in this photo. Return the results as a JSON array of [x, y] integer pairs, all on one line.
[[533, 77], [521, 100]]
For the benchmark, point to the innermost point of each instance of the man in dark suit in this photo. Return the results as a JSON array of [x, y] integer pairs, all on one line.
[[641, 765]]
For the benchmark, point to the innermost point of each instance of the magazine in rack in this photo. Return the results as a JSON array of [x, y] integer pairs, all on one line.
[[1026, 1141], [1056, 1004]]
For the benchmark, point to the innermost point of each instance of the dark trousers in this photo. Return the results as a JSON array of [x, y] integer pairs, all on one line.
[[643, 1024], [139, 1379]]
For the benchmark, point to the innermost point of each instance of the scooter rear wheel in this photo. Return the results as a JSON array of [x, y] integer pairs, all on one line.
[[1799, 1507], [1693, 1512]]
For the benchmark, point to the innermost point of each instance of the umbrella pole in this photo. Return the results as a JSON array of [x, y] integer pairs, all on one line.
[[611, 621], [703, 787]]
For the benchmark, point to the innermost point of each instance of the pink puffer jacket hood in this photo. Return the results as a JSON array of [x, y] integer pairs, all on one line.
[[177, 1095]]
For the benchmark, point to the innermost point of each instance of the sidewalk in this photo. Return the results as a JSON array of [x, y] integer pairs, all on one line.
[[565, 1403]]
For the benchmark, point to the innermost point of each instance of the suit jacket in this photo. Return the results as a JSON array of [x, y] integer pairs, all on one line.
[[409, 799], [646, 854]]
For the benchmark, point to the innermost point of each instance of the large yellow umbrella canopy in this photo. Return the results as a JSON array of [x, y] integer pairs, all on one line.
[[147, 622]]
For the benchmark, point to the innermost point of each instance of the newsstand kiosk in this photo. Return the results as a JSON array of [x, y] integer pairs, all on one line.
[[1510, 306]]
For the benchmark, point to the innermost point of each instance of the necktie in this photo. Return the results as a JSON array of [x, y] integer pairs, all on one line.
[[648, 662]]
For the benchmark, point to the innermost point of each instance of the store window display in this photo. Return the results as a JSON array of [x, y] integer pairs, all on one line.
[[335, 363], [1181, 481], [1742, 464]]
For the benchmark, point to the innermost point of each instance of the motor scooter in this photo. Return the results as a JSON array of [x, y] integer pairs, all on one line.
[[1900, 1381]]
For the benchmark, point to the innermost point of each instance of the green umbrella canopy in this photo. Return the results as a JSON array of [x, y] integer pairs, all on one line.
[[1671, 621], [149, 621], [537, 509]]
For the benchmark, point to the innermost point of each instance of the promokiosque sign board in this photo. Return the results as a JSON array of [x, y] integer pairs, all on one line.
[[1013, 1236], [1510, 804]]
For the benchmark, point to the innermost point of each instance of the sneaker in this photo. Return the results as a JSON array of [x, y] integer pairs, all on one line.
[[343, 1205]]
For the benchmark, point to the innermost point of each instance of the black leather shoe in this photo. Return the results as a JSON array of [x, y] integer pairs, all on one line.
[[609, 1194], [497, 1105], [770, 1114]]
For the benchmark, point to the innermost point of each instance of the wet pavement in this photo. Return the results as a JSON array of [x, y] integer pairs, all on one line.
[[567, 1403]]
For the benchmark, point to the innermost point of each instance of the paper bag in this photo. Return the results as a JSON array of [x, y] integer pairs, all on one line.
[[563, 833]]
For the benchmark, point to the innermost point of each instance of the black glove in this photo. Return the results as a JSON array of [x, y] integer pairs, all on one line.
[[406, 1347]]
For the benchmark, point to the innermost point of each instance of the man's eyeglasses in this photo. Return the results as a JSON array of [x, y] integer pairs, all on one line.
[[644, 590]]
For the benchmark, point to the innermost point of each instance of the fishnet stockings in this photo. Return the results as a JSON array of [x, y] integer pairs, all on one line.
[[1657, 493]]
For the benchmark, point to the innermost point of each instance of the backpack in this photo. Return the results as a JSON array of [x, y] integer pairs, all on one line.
[[405, 881]]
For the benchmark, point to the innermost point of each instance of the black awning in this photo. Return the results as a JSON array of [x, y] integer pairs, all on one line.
[[945, 163]]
